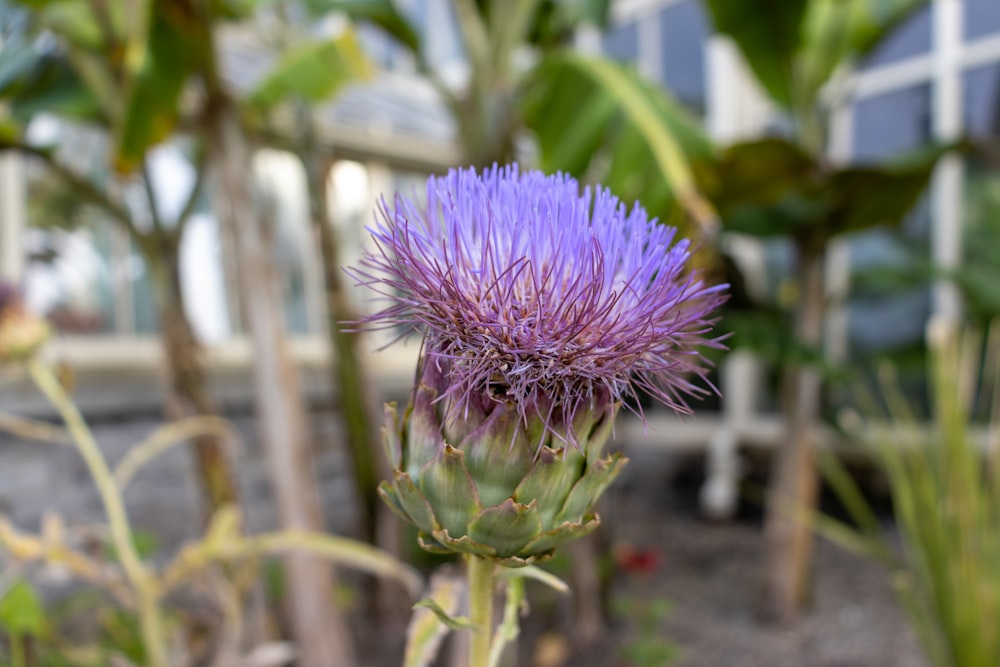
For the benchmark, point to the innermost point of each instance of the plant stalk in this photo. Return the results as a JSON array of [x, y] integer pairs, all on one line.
[[481, 584], [140, 580]]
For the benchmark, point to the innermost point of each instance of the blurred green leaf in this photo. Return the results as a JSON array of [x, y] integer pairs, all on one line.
[[382, 13], [74, 20], [574, 12], [795, 46], [9, 130], [771, 188], [452, 622], [601, 120], [238, 10], [839, 30], [761, 171], [54, 88], [884, 194], [769, 32], [17, 62], [21, 611], [177, 46], [980, 285], [312, 71], [569, 134]]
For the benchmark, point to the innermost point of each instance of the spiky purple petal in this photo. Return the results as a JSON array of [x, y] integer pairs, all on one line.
[[533, 292]]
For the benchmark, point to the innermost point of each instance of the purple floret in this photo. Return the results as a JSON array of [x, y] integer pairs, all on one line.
[[538, 294]]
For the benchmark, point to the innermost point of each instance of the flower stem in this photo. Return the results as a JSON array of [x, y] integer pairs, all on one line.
[[140, 579], [481, 584]]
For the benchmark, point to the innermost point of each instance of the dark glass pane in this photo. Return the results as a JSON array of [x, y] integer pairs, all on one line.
[[684, 29], [880, 319], [892, 123], [146, 319], [981, 101], [622, 42], [980, 267], [911, 38], [982, 18]]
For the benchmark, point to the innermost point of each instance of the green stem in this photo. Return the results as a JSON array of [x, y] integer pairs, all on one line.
[[140, 579], [17, 652], [481, 584], [509, 628]]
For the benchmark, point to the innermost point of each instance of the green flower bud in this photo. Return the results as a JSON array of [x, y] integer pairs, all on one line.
[[478, 478]]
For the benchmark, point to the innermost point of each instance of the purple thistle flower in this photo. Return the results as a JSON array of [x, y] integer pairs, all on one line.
[[535, 293]]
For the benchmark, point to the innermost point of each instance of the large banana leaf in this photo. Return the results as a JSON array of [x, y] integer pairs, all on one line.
[[599, 119], [795, 46], [177, 45], [769, 33], [771, 187]]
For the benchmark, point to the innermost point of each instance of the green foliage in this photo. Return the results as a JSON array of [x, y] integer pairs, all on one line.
[[946, 495], [795, 46], [596, 118], [592, 118], [177, 45], [769, 34], [21, 611], [382, 13], [647, 647], [34, 83], [774, 188], [312, 71], [979, 274]]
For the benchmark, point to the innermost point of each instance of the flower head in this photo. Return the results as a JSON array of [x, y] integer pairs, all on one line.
[[534, 292], [542, 308], [21, 332]]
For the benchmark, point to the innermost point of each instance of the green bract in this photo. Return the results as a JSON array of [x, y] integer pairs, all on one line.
[[477, 480]]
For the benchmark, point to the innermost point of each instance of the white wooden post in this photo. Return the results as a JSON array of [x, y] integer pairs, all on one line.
[[12, 214]]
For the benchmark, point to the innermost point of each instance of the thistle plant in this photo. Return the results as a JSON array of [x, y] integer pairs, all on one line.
[[543, 309]]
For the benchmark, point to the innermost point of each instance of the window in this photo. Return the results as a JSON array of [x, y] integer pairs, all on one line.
[[622, 42], [684, 31], [981, 101], [982, 18], [285, 205], [887, 126], [666, 41], [911, 38]]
